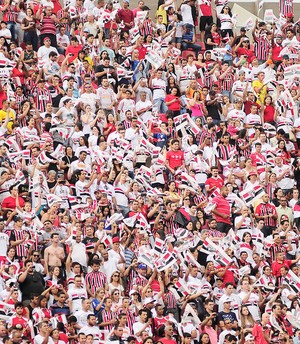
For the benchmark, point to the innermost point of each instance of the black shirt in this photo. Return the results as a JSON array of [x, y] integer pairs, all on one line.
[[34, 283], [101, 68]]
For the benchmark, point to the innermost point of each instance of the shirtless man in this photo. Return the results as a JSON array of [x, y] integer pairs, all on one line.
[[54, 254]]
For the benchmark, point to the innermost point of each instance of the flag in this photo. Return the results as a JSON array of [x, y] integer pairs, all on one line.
[[250, 195], [52, 199], [159, 247], [296, 211], [116, 217], [59, 152], [123, 73], [269, 16], [141, 16], [260, 5], [154, 59], [249, 24], [134, 34]]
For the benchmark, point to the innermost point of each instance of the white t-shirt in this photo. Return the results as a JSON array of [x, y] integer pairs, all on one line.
[[186, 12], [138, 326], [252, 304], [43, 53], [94, 330], [4, 242], [76, 295], [159, 88], [39, 339]]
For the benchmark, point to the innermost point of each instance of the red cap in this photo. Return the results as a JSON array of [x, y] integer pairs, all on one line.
[[115, 240], [289, 15], [46, 39], [253, 58]]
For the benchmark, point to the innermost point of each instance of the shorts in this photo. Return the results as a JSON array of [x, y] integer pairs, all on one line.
[[205, 21]]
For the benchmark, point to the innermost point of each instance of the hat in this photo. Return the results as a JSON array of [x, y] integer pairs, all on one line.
[[253, 58], [238, 100], [133, 291], [285, 56], [86, 30], [115, 240], [142, 266], [243, 29], [252, 173], [289, 15], [148, 300], [249, 337], [41, 80], [189, 26], [227, 300], [46, 38], [126, 1]]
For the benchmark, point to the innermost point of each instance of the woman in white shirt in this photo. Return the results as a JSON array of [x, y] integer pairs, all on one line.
[[226, 21]]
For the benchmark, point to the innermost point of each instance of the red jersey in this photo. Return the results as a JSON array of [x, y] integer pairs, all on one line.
[[223, 207], [217, 182], [175, 158], [10, 202], [276, 266]]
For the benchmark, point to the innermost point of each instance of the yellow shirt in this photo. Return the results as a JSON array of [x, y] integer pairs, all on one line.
[[162, 12], [12, 117], [263, 92]]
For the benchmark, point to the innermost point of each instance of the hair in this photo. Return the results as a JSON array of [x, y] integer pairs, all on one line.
[[202, 335], [246, 320]]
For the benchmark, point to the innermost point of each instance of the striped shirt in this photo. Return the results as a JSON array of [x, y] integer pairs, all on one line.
[[227, 82], [95, 280], [41, 98], [266, 209], [261, 47], [48, 25], [169, 300], [15, 235], [105, 316]]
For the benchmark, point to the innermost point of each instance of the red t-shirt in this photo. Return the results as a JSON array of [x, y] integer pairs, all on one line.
[[276, 266], [73, 50], [142, 52], [269, 113], [257, 332], [206, 10], [247, 52], [175, 159], [126, 16], [10, 202], [217, 182], [228, 276], [173, 106], [223, 207], [276, 49]]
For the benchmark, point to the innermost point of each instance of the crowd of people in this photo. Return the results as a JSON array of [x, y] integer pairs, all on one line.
[[149, 174]]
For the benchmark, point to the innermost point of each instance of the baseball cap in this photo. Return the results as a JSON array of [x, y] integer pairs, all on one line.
[[148, 300], [142, 266], [243, 29], [227, 300]]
